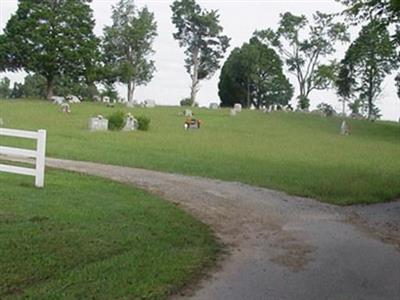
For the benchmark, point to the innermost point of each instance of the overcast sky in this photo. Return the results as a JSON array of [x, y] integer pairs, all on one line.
[[240, 19]]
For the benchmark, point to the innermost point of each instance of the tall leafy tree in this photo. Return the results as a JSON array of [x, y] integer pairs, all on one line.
[[199, 32], [128, 45], [386, 12], [369, 59], [5, 91], [303, 47], [53, 38], [253, 74]]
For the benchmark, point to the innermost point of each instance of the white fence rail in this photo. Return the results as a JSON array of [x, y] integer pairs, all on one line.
[[38, 154]]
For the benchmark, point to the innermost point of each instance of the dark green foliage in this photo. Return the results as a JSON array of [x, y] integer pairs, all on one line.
[[303, 56], [186, 102], [143, 123], [5, 91], [368, 60], [35, 85], [127, 46], [109, 91], [327, 109], [199, 32], [116, 121], [253, 74], [17, 91], [51, 38], [398, 84], [303, 102]]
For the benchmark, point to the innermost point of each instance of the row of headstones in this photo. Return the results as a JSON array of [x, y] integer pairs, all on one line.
[[69, 99], [100, 123]]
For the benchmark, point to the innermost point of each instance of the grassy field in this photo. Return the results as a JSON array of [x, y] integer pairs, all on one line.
[[297, 153], [83, 237]]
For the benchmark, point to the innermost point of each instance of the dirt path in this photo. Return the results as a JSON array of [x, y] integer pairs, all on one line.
[[282, 247]]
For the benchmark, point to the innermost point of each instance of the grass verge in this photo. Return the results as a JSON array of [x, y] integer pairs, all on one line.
[[83, 237]]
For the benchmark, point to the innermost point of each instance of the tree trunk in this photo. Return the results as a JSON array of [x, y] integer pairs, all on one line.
[[195, 77], [370, 96], [50, 88], [131, 91]]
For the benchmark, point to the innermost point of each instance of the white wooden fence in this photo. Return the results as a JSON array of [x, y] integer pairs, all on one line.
[[38, 154]]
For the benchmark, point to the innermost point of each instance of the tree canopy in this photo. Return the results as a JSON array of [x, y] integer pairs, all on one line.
[[253, 75], [368, 60], [128, 45], [199, 32], [52, 38], [303, 56]]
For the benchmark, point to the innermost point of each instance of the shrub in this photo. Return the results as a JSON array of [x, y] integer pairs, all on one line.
[[116, 121], [188, 102], [143, 123], [326, 109], [304, 102]]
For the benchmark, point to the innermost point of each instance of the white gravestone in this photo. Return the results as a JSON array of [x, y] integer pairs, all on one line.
[[72, 99], [65, 108], [188, 113], [131, 123], [98, 124], [233, 112], [57, 100], [237, 107], [344, 129]]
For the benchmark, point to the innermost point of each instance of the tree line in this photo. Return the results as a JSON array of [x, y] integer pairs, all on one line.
[[53, 41]]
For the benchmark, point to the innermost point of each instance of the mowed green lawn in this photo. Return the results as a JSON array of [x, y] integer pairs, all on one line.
[[297, 153], [83, 237]]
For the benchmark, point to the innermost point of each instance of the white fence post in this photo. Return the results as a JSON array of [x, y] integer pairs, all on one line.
[[39, 154], [40, 158]]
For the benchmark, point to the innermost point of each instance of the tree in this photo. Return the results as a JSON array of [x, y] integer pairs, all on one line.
[[5, 91], [369, 59], [127, 46], [386, 12], [253, 74], [304, 56], [199, 32], [53, 38]]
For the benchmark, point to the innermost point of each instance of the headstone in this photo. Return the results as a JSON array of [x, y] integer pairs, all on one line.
[[72, 99], [65, 108], [98, 124], [131, 123], [214, 105], [149, 103], [344, 129], [188, 113], [57, 100], [106, 99], [191, 123], [97, 98], [233, 112], [237, 107]]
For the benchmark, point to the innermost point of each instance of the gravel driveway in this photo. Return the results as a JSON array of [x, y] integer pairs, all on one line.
[[280, 246]]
